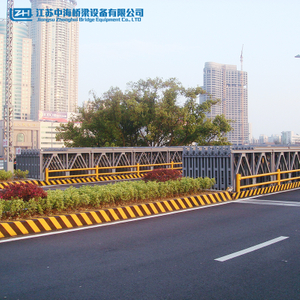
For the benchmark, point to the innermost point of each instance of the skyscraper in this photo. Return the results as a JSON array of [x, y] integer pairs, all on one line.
[[21, 74], [226, 83], [54, 61]]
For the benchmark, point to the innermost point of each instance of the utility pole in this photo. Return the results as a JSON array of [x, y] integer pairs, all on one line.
[[8, 107]]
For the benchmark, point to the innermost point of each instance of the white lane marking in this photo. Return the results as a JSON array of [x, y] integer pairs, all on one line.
[[251, 249], [14, 239], [269, 202]]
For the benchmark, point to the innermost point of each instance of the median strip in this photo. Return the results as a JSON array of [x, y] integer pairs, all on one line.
[[25, 227]]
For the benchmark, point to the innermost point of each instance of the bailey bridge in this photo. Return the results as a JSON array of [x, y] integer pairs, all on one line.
[[220, 162]]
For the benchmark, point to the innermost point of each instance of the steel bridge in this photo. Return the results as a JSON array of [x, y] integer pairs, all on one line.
[[37, 161], [224, 162], [219, 162]]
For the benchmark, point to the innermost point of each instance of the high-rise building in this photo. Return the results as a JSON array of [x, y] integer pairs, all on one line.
[[54, 60], [21, 74], [226, 83]]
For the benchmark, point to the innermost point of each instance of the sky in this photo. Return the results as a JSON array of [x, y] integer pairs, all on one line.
[[175, 38]]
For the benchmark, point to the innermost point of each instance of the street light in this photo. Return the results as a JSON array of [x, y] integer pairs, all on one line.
[[297, 56]]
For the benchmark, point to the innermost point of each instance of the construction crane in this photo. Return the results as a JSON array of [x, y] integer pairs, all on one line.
[[242, 99], [8, 107]]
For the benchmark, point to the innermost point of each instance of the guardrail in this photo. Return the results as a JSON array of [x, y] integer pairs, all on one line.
[[96, 170], [278, 180]]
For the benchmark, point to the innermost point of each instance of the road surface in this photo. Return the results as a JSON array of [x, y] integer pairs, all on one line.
[[245, 249]]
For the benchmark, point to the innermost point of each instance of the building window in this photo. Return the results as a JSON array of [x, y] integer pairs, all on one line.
[[20, 138]]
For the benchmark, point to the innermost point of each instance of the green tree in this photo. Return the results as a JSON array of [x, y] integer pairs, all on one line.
[[148, 113]]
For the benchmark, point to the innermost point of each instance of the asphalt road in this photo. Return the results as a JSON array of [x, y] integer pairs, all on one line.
[[177, 256]]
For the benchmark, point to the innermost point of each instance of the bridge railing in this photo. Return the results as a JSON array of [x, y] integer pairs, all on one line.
[[97, 172], [276, 174]]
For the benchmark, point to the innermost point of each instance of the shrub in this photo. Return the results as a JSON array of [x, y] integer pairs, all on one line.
[[20, 174], [20, 200], [5, 175], [23, 191], [162, 175]]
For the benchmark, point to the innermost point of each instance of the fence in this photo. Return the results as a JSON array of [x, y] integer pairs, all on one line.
[[96, 172], [224, 162], [36, 161], [277, 181]]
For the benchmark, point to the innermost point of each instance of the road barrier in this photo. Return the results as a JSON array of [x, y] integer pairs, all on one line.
[[97, 172], [54, 223], [37, 160], [224, 162], [276, 174]]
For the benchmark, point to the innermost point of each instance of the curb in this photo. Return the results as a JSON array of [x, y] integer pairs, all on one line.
[[17, 228], [3, 185], [266, 190]]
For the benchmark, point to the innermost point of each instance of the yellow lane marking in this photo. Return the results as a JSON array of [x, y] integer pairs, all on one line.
[[138, 210], [218, 198], [104, 215], [76, 220], [95, 216], [86, 218], [206, 199], [153, 208], [10, 231], [114, 215], [175, 205], [188, 201], [223, 197], [168, 205], [211, 197], [33, 226], [146, 209], [121, 211], [44, 224], [129, 210], [55, 223], [194, 201], [66, 221], [201, 200], [160, 207], [181, 203], [21, 227]]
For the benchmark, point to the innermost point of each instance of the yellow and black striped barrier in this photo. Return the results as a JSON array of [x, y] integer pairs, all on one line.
[[4, 184], [17, 228], [265, 190]]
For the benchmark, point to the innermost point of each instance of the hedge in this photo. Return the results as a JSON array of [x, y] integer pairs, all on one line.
[[99, 196]]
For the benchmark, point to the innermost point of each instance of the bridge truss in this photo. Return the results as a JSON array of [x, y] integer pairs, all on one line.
[[224, 162], [36, 161]]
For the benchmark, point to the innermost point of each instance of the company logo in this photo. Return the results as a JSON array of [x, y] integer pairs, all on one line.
[[78, 14], [20, 14]]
